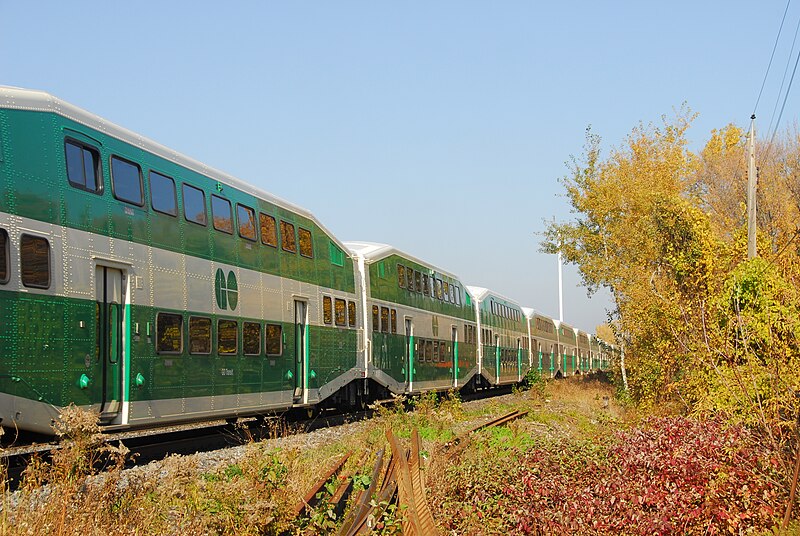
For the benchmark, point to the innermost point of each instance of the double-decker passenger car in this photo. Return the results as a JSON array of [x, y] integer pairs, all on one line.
[[140, 282], [544, 342], [422, 331], [502, 338]]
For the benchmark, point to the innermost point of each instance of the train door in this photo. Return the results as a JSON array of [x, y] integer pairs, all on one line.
[[409, 354], [519, 360], [110, 299], [454, 364], [300, 351]]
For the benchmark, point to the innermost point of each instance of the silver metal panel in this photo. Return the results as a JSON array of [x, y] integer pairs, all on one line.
[[28, 414]]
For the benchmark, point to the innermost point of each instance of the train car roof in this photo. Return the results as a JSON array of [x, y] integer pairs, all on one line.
[[15, 98], [480, 294], [373, 252]]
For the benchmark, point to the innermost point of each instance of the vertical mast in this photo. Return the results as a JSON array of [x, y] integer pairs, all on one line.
[[751, 190], [560, 291]]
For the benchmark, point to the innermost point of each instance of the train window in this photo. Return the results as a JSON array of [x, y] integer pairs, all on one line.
[[34, 261], [274, 339], [401, 276], [327, 310], [435, 351], [375, 317], [269, 231], [251, 338], [288, 240], [221, 215], [306, 248], [247, 223], [410, 274], [4, 256], [341, 312], [169, 333], [458, 296], [194, 205], [351, 314], [452, 294], [162, 194], [385, 319], [199, 335], [394, 320], [83, 166], [227, 336], [126, 181], [425, 290], [446, 291], [418, 278], [429, 350]]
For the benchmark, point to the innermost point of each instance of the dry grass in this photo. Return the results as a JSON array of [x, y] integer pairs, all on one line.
[[256, 493]]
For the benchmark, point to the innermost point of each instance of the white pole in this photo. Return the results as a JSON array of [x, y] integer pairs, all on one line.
[[560, 291]]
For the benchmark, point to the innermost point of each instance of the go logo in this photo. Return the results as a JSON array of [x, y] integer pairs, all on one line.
[[227, 290]]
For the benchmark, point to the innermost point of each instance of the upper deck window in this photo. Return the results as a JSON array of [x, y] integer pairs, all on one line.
[[194, 205], [162, 194], [221, 214], [126, 181], [247, 223], [288, 240], [306, 248], [83, 166], [269, 231]]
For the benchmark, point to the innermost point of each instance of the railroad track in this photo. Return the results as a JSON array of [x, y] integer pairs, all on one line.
[[156, 444], [151, 445]]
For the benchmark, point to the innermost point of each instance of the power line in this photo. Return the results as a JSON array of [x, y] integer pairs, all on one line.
[[783, 80], [774, 47], [785, 98]]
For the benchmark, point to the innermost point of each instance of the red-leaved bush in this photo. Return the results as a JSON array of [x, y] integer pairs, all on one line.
[[671, 476]]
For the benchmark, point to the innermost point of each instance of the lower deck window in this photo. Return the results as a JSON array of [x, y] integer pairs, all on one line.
[[385, 319], [341, 312], [34, 261], [169, 333], [251, 338], [199, 335], [327, 310], [227, 337], [351, 314], [274, 339]]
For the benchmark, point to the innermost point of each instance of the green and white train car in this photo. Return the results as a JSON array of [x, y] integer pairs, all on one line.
[[544, 345], [420, 321], [568, 347], [503, 353], [144, 284]]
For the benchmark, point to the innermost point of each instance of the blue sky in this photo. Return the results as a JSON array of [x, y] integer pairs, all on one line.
[[441, 128]]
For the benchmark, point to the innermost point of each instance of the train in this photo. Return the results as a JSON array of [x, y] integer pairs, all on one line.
[[146, 286]]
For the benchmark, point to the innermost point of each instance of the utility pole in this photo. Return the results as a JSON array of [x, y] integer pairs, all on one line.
[[751, 190]]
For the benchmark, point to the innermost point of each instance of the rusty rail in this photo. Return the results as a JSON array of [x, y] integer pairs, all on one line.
[[310, 498]]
